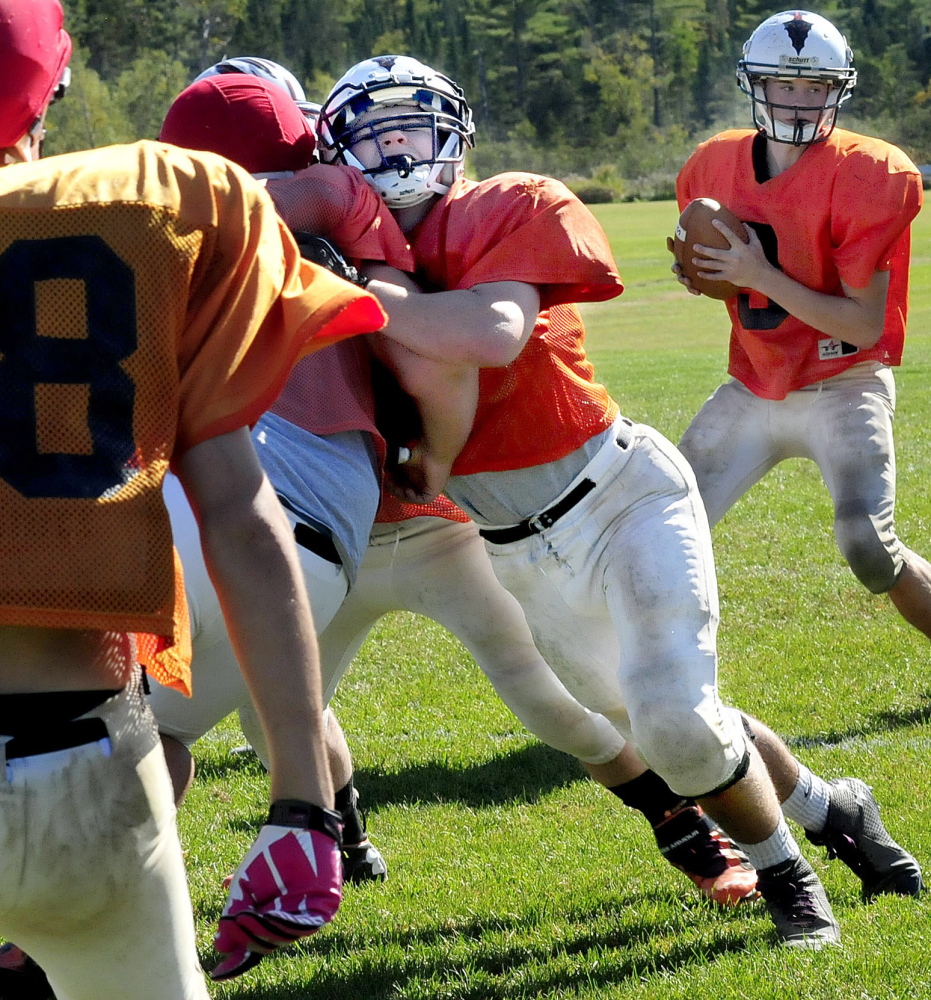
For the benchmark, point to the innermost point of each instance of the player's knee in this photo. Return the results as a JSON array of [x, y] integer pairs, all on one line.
[[872, 561], [694, 750]]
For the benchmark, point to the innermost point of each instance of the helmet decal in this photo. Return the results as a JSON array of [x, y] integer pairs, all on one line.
[[797, 30]]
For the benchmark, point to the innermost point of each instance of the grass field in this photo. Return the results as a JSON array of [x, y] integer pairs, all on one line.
[[513, 877]]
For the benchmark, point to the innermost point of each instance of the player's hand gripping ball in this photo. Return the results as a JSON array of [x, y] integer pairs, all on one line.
[[695, 226]]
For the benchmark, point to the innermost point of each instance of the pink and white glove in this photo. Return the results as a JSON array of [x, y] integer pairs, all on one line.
[[287, 887]]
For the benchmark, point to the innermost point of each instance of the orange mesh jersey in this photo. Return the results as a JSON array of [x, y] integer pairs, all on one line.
[[522, 227], [151, 299], [392, 510], [840, 213]]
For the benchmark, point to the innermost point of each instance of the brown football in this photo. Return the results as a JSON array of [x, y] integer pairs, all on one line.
[[694, 226]]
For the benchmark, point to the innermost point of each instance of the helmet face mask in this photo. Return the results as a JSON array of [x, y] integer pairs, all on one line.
[[397, 94], [796, 46]]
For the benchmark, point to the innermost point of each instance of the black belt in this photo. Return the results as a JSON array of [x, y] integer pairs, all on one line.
[[317, 542], [71, 734], [539, 522]]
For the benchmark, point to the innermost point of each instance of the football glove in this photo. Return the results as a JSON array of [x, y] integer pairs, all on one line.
[[319, 250], [287, 887]]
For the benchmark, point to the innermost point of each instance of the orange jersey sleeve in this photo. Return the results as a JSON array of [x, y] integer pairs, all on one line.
[[151, 299], [841, 213], [517, 227]]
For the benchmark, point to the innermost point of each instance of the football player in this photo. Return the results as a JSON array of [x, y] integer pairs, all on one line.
[[428, 559], [594, 523], [820, 321], [318, 442], [132, 276], [432, 555]]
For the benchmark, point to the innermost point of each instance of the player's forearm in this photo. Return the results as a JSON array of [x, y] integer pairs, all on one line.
[[840, 316], [456, 326], [447, 409], [250, 554], [446, 394], [261, 591]]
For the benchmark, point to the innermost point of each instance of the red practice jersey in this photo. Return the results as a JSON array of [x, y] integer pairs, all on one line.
[[839, 214], [151, 299]]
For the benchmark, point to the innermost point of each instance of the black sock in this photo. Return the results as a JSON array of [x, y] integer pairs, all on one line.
[[353, 824], [650, 795]]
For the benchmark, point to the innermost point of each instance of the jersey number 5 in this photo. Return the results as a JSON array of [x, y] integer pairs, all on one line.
[[82, 350]]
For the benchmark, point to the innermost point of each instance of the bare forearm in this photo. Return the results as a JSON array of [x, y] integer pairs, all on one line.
[[449, 411], [271, 629], [835, 315], [447, 326], [857, 315], [250, 554], [446, 395]]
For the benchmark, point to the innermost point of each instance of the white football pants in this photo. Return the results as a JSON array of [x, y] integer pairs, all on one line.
[[843, 424], [621, 597], [438, 568], [92, 880]]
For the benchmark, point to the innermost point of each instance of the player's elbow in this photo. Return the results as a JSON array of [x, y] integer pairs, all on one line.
[[873, 333], [865, 333], [505, 337], [498, 351]]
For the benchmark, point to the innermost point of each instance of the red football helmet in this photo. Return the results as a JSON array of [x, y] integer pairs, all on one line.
[[247, 119], [34, 50]]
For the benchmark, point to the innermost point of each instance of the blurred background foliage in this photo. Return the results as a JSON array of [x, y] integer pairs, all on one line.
[[609, 95]]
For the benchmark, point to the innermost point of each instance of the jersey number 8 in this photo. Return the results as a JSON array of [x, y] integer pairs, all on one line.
[[87, 354]]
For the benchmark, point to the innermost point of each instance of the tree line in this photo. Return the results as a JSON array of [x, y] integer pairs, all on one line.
[[615, 92]]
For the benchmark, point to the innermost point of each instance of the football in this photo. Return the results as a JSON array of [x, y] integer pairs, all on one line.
[[694, 226]]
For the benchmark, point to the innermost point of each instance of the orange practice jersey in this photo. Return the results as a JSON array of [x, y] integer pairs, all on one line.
[[839, 214], [522, 227], [151, 299]]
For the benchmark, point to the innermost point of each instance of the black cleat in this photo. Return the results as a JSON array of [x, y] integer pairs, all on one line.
[[20, 977], [363, 863], [855, 834], [795, 899]]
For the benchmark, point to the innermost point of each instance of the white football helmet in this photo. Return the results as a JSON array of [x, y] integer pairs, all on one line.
[[425, 100], [266, 69], [789, 45]]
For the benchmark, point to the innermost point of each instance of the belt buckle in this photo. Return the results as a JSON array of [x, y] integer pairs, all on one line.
[[540, 522]]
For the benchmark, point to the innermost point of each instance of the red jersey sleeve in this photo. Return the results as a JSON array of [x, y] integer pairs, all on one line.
[[335, 201], [518, 227]]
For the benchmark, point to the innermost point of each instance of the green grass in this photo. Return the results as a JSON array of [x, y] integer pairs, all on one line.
[[511, 876]]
